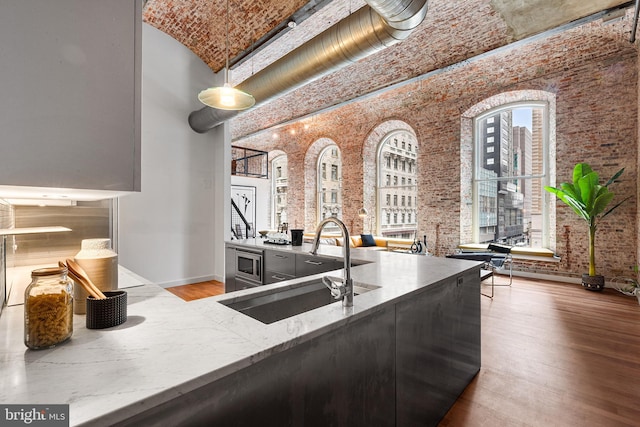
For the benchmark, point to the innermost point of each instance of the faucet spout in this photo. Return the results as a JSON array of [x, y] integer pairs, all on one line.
[[347, 297]]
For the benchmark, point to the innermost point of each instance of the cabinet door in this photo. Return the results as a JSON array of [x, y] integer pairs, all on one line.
[[280, 262], [245, 284], [437, 348], [275, 277], [70, 104], [307, 265], [229, 269]]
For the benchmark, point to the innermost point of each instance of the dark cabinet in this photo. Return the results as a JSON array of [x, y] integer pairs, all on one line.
[[285, 265], [437, 348], [278, 266], [281, 262], [402, 364], [330, 380], [307, 265], [275, 277], [245, 284], [229, 269]]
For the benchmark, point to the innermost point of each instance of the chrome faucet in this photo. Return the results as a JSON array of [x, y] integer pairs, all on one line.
[[340, 287]]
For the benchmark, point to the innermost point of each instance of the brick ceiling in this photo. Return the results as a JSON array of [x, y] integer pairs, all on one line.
[[201, 24], [452, 32]]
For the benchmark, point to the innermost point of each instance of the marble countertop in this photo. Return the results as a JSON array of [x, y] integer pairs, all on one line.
[[168, 346]]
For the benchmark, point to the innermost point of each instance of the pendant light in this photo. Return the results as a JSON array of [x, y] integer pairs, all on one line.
[[226, 97]]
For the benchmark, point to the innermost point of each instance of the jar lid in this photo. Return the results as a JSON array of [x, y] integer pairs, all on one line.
[[49, 271]]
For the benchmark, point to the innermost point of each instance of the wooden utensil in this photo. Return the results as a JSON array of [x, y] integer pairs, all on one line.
[[78, 274], [77, 270]]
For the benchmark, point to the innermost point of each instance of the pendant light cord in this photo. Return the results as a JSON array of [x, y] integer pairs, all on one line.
[[226, 68], [226, 97]]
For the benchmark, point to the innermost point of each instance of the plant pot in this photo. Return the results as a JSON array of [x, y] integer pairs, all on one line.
[[593, 283]]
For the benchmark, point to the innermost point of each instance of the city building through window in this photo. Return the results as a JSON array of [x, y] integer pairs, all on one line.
[[330, 187], [511, 170], [397, 156], [279, 188]]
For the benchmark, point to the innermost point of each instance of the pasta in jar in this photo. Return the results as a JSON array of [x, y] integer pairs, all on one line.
[[48, 310]]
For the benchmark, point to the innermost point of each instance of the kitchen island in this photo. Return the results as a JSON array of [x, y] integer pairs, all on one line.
[[400, 356]]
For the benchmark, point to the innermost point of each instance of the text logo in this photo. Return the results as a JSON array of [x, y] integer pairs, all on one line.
[[34, 415]]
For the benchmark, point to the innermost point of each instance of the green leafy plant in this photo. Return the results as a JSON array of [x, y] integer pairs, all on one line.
[[589, 199]]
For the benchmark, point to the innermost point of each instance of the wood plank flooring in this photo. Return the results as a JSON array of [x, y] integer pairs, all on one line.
[[198, 290], [553, 354]]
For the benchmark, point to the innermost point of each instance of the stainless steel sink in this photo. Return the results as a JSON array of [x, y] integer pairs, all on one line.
[[280, 304]]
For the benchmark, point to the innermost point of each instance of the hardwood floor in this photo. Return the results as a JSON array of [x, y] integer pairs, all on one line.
[[553, 354], [198, 290]]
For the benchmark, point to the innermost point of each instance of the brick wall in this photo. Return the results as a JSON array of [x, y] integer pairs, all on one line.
[[591, 71]]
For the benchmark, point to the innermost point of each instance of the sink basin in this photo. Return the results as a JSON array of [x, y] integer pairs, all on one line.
[[283, 303]]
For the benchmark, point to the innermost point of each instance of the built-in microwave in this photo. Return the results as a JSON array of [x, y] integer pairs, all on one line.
[[249, 266]]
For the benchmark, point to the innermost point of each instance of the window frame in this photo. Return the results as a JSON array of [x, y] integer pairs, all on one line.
[[544, 176]]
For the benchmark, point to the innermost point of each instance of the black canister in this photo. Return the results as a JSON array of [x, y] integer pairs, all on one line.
[[296, 237]]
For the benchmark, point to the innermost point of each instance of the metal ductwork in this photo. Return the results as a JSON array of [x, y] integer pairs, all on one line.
[[381, 24]]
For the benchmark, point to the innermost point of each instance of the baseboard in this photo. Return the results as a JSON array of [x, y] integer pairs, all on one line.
[[189, 281], [544, 276]]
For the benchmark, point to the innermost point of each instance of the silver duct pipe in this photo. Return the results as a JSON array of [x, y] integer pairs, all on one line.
[[369, 30], [402, 15], [635, 22]]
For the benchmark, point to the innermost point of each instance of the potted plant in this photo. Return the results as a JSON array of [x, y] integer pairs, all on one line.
[[589, 199]]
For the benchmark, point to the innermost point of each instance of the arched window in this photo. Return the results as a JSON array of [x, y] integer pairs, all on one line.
[[397, 185], [329, 183], [511, 167], [279, 188]]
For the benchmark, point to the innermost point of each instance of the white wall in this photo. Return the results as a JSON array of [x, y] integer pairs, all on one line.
[[173, 231]]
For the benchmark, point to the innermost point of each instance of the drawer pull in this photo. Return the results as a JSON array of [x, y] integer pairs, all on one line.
[[277, 277], [280, 256], [308, 261]]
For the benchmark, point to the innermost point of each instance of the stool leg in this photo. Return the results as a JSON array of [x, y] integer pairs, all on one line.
[[489, 267]]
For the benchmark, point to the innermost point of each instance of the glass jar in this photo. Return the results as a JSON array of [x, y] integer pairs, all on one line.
[[48, 308]]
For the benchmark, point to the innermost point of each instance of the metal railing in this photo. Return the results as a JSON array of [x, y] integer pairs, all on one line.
[[249, 162]]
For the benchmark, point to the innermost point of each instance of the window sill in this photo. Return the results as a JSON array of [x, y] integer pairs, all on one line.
[[517, 252]]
